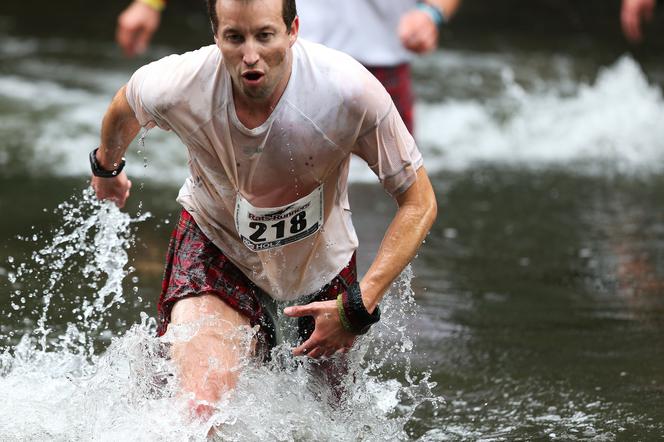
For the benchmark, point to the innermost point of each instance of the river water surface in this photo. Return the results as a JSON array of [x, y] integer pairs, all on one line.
[[536, 307]]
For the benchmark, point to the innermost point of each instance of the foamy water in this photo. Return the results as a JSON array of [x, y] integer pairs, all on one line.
[[615, 119], [483, 108]]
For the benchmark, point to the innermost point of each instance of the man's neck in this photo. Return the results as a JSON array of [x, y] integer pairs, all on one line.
[[253, 113]]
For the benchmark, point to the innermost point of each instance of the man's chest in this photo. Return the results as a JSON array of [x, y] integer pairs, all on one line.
[[286, 155]]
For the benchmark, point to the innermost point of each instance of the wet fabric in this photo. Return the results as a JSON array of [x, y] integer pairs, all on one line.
[[365, 29], [332, 108], [397, 82], [194, 265]]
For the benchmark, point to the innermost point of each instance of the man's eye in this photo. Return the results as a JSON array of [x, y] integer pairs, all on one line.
[[263, 36], [234, 38]]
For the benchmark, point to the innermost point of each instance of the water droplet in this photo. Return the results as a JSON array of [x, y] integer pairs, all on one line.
[[450, 233]]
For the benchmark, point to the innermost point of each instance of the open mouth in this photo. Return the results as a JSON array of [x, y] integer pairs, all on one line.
[[252, 76]]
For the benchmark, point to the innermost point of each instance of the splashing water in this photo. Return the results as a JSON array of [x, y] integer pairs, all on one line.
[[290, 399], [91, 246], [65, 383]]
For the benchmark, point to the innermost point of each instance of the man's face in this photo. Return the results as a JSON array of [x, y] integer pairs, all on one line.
[[255, 43]]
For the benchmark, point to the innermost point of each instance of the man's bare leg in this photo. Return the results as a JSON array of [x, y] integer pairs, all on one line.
[[208, 362]]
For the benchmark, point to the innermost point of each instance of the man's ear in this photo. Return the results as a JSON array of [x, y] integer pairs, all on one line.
[[294, 30]]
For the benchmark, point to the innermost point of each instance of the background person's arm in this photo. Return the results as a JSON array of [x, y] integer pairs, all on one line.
[[137, 24], [633, 14], [418, 31], [119, 128]]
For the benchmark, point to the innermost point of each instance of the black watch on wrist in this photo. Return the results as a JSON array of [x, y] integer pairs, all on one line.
[[99, 171]]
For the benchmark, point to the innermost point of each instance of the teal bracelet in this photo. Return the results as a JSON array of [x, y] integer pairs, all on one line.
[[434, 12]]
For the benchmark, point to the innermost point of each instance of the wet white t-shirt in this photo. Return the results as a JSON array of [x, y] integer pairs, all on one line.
[[365, 29], [274, 198]]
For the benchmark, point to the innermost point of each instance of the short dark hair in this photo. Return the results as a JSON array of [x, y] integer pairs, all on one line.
[[289, 11]]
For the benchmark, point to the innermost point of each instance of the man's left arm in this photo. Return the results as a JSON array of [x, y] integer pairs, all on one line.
[[413, 220], [410, 225], [419, 28]]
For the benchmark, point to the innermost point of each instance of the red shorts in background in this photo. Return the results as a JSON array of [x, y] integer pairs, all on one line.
[[397, 82]]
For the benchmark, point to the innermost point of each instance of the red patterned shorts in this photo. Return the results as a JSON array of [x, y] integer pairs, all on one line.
[[194, 266], [397, 81]]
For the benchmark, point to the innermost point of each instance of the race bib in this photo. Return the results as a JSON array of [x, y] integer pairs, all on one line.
[[263, 228]]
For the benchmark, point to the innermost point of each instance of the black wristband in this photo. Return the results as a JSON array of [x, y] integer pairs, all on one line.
[[356, 314], [99, 171]]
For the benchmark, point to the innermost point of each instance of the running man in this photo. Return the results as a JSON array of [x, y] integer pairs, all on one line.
[[270, 123]]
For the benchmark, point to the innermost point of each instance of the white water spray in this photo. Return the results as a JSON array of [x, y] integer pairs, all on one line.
[[65, 383]]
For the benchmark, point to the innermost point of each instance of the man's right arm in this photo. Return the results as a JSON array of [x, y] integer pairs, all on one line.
[[119, 128]]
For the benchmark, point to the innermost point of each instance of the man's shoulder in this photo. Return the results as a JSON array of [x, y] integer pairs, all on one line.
[[187, 66], [326, 58], [330, 71], [178, 87], [335, 91]]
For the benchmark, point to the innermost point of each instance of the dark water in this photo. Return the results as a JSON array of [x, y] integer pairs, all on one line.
[[552, 303], [541, 286], [540, 294]]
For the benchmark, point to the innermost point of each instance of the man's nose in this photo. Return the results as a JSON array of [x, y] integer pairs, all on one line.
[[250, 56]]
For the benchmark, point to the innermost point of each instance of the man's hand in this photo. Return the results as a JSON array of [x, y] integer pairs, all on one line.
[[632, 16], [114, 189], [118, 128], [136, 25], [418, 32], [329, 335]]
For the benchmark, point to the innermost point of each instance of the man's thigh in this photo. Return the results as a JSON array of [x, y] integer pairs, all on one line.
[[211, 341], [196, 268], [193, 308]]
